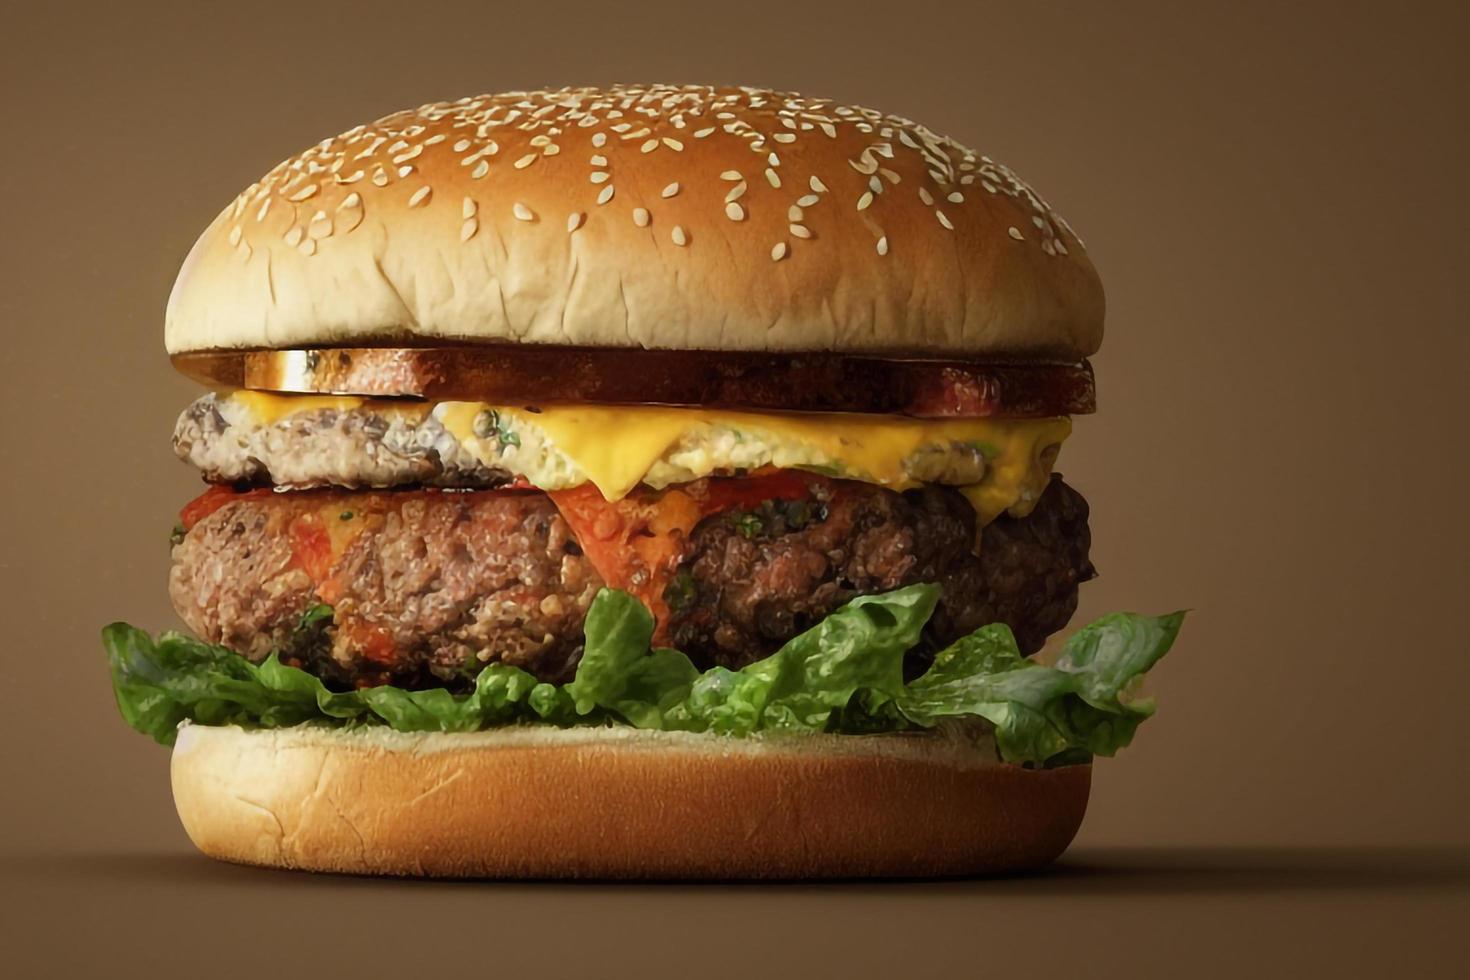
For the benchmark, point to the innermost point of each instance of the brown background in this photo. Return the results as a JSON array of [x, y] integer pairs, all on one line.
[[1274, 198]]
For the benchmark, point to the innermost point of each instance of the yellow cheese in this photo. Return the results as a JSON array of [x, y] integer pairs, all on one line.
[[269, 408], [615, 446]]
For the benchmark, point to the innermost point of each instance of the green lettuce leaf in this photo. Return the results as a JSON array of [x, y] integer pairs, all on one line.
[[843, 675], [1039, 712]]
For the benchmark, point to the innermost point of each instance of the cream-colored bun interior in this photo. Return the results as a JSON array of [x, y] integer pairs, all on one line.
[[642, 216], [535, 801]]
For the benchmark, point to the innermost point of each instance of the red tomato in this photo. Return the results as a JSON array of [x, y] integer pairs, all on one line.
[[637, 543], [212, 500], [311, 546]]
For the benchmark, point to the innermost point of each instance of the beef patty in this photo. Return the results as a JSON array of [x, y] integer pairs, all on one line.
[[754, 579], [424, 587]]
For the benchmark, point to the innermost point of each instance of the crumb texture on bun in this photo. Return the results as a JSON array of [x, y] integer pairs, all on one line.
[[676, 217], [535, 802]]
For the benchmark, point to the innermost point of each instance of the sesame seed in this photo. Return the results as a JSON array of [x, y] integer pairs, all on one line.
[[304, 193], [574, 221], [829, 129], [460, 146], [408, 155], [420, 196], [307, 247], [883, 245], [735, 192], [988, 186], [266, 206], [641, 217], [893, 177], [784, 137], [522, 212], [734, 211], [702, 133], [678, 235], [944, 220], [670, 190], [599, 139], [730, 175], [320, 225], [865, 200], [348, 219], [468, 228], [800, 231], [381, 178], [794, 213], [1048, 247], [599, 176], [926, 197], [1015, 233], [405, 170], [235, 234], [876, 185], [773, 177], [540, 140], [1061, 247], [481, 169], [551, 150], [807, 200], [649, 146], [673, 144], [294, 236], [817, 185], [598, 160], [525, 161], [605, 195], [779, 252], [955, 197], [1037, 222], [469, 208]]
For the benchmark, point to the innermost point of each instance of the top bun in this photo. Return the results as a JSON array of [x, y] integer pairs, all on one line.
[[681, 217]]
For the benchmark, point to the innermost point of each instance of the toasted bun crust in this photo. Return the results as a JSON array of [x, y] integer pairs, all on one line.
[[617, 803], [654, 217]]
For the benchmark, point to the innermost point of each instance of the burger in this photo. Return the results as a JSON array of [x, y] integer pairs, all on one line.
[[636, 481]]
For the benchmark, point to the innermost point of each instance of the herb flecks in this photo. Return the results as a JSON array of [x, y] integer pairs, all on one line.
[[491, 423]]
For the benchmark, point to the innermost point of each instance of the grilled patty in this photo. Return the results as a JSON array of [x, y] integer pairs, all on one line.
[[757, 578], [424, 587]]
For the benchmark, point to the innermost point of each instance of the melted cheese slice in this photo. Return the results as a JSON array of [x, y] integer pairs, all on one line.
[[268, 408], [616, 447]]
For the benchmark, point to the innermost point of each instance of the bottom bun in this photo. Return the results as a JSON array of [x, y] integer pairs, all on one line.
[[531, 802]]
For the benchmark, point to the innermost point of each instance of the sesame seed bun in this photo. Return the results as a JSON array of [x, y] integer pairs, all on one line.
[[541, 802], [654, 217]]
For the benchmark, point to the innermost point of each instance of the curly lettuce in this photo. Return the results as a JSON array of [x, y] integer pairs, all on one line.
[[844, 675]]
